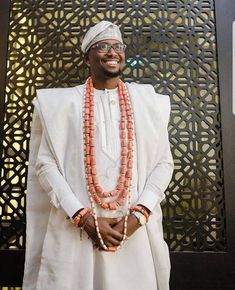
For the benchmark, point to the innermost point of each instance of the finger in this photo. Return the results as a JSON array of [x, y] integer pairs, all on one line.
[[113, 221], [112, 242], [108, 244], [119, 227], [116, 235], [94, 239], [111, 234], [120, 230]]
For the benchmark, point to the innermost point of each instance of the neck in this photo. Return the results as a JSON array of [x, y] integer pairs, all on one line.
[[110, 83]]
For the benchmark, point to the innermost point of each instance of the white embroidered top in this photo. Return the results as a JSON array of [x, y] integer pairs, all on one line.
[[108, 149]]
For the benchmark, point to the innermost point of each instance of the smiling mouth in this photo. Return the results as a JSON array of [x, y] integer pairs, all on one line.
[[111, 62]]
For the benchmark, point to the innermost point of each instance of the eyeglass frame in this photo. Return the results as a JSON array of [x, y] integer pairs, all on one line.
[[97, 46]]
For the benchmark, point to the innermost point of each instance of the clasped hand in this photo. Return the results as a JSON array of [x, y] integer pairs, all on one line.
[[111, 230]]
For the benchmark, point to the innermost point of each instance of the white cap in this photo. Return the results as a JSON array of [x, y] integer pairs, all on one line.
[[101, 31]]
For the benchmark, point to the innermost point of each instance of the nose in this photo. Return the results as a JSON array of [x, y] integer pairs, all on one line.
[[111, 51]]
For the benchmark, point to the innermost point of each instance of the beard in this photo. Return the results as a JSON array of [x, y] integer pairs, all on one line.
[[111, 74]]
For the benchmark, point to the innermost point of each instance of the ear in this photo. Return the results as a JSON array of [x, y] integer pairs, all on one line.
[[86, 58]]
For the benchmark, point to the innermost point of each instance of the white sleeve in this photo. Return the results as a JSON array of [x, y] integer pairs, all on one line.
[[53, 182], [160, 177]]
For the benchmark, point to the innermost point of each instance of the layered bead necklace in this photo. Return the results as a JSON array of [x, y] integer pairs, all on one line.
[[97, 194]]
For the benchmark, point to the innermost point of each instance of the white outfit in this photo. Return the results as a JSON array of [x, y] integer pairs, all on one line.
[[56, 258]]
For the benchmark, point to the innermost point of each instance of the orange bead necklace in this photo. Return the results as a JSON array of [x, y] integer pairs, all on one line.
[[95, 190]]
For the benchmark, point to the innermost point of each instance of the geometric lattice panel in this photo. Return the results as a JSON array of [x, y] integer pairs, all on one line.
[[170, 44]]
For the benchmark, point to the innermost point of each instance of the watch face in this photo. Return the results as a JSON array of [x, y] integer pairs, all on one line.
[[141, 218]]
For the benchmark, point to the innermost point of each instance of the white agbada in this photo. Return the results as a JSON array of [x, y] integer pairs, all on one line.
[[56, 257]]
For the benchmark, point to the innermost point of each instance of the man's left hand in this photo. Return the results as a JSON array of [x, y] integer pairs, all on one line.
[[132, 225]]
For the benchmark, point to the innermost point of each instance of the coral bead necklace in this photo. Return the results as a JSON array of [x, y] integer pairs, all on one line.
[[95, 190]]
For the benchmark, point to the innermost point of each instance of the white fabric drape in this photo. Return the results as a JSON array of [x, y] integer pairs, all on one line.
[[55, 256]]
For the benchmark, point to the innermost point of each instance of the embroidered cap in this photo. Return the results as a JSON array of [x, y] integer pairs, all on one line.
[[101, 31]]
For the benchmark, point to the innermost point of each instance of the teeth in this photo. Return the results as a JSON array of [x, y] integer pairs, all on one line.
[[111, 62]]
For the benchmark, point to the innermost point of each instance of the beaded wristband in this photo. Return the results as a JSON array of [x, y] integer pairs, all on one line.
[[141, 210], [81, 214]]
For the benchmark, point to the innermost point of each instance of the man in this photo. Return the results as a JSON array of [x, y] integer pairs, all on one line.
[[99, 164]]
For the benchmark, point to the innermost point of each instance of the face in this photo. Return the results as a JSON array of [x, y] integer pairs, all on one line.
[[105, 64]]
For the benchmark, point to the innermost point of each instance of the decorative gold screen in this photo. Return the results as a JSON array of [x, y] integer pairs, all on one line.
[[170, 44]]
